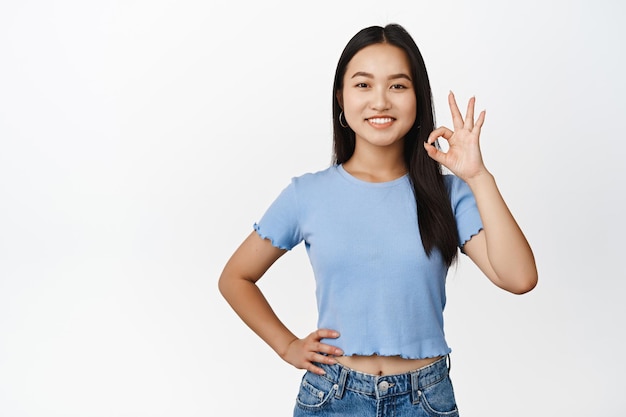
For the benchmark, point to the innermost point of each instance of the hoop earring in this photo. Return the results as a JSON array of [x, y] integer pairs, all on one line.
[[342, 123]]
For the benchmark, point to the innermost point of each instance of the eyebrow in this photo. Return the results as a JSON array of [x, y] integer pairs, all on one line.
[[391, 77]]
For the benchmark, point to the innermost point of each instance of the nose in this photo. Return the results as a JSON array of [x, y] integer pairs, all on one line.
[[380, 99]]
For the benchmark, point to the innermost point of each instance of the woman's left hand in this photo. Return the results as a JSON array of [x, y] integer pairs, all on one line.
[[463, 157]]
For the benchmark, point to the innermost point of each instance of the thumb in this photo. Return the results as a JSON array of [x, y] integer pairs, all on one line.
[[434, 153]]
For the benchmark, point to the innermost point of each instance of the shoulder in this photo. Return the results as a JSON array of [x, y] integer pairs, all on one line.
[[460, 193], [306, 185], [312, 180]]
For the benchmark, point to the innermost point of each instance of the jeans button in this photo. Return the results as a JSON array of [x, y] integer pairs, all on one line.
[[383, 386]]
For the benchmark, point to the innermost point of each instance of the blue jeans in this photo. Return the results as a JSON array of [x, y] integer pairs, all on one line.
[[425, 392]]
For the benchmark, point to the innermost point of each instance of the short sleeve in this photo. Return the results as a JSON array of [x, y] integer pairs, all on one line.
[[280, 224], [468, 221]]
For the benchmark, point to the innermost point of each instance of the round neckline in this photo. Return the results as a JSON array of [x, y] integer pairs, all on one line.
[[356, 180]]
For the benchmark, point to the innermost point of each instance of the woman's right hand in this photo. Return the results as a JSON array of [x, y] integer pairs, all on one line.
[[302, 353]]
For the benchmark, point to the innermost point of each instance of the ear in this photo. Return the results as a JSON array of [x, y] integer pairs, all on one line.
[[339, 97]]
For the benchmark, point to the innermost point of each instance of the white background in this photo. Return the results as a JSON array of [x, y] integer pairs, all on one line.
[[140, 140]]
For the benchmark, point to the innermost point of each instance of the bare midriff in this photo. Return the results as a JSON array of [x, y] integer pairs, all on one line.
[[384, 365]]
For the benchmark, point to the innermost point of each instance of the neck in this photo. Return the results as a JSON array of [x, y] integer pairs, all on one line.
[[376, 164]]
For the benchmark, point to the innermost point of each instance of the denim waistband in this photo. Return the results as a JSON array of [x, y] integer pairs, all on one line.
[[383, 386]]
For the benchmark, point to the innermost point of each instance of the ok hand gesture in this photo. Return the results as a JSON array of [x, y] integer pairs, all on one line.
[[463, 157]]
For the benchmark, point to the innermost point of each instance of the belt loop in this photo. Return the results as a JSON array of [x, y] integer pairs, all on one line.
[[415, 387], [449, 360], [341, 384]]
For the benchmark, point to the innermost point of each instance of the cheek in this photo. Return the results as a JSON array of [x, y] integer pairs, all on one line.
[[351, 101], [353, 107], [411, 109]]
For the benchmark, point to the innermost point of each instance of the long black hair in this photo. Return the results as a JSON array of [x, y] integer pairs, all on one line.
[[434, 211]]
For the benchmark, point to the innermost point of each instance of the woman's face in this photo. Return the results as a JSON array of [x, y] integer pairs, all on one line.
[[377, 98]]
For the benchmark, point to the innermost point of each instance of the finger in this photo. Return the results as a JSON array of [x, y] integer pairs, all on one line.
[[325, 334], [457, 117], [328, 349], [316, 346], [315, 369], [469, 116], [435, 153], [440, 132], [317, 358], [479, 122], [330, 360]]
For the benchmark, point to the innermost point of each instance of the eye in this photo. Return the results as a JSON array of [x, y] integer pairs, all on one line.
[[398, 87], [361, 85]]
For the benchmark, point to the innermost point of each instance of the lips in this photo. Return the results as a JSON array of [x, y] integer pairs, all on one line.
[[380, 121]]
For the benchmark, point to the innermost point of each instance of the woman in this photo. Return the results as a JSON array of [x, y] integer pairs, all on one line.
[[381, 226]]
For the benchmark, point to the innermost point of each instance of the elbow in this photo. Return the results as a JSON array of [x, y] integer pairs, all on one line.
[[223, 285], [220, 285], [230, 283], [524, 284]]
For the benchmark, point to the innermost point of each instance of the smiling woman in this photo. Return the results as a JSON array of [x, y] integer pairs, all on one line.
[[378, 100], [381, 226]]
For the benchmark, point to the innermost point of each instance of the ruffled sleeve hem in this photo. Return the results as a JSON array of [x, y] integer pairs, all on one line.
[[257, 229], [462, 246]]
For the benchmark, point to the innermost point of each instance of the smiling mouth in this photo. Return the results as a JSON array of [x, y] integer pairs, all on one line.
[[380, 120]]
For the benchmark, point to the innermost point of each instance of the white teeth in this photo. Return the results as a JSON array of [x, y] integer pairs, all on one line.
[[381, 120]]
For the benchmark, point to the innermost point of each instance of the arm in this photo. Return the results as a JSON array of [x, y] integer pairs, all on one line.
[[500, 250], [238, 286]]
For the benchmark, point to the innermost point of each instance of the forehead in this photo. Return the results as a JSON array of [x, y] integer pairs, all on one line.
[[379, 59]]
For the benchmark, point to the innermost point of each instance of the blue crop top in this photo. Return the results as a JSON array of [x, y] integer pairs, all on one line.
[[374, 283]]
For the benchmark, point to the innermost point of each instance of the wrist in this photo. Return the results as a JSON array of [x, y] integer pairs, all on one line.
[[283, 349], [479, 178]]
